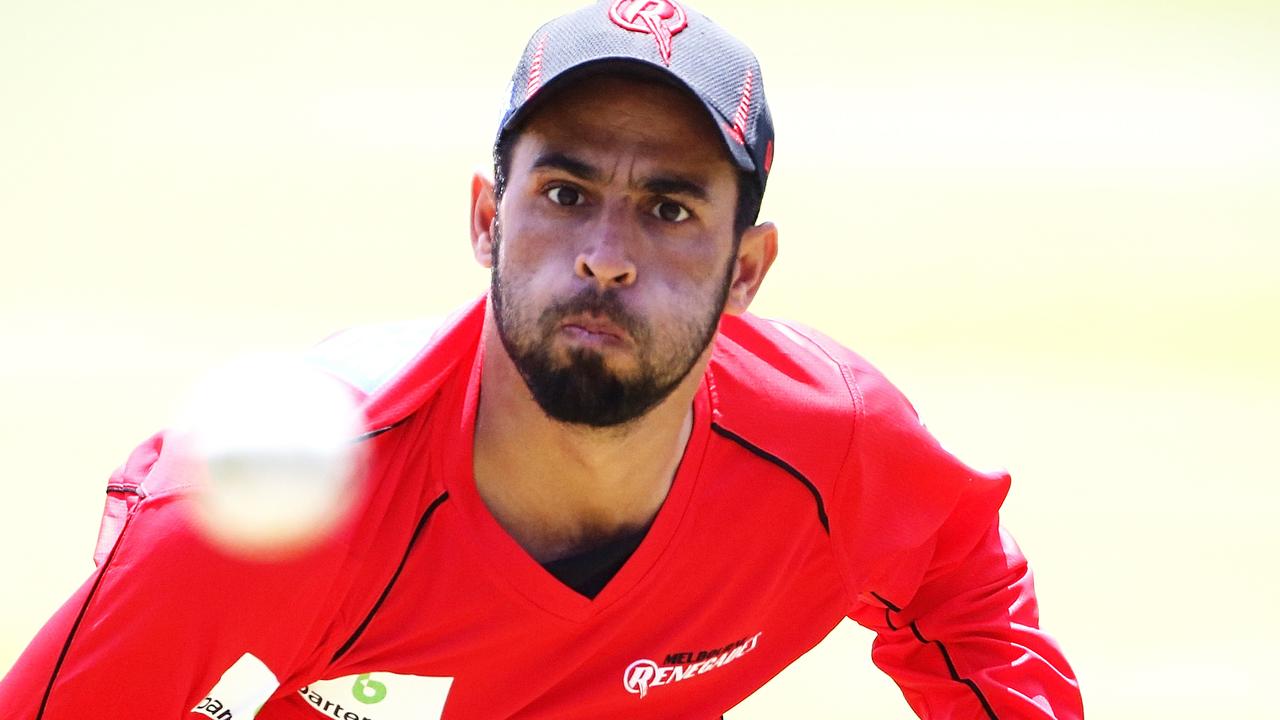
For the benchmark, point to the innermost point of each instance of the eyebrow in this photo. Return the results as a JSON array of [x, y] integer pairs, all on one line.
[[676, 186], [658, 185], [571, 165]]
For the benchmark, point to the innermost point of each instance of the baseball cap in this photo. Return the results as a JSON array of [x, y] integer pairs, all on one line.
[[665, 39]]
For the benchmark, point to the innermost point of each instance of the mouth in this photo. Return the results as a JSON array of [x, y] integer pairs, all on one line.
[[593, 330]]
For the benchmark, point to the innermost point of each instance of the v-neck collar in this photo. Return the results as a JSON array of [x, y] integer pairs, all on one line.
[[509, 563]]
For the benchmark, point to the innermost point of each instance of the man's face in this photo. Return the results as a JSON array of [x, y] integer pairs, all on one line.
[[614, 248]]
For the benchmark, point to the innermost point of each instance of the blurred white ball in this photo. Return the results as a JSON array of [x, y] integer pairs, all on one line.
[[271, 440]]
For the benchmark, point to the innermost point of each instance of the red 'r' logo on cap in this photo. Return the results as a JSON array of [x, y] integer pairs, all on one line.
[[660, 18]]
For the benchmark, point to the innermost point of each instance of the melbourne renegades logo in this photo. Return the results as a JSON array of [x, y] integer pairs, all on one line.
[[660, 18], [638, 676], [644, 674]]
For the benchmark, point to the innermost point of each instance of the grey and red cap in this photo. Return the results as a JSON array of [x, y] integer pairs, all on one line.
[[664, 38]]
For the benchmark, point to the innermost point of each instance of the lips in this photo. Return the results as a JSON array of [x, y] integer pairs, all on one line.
[[593, 328]]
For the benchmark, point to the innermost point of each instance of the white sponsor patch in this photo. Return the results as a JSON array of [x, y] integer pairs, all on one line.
[[379, 696], [240, 692]]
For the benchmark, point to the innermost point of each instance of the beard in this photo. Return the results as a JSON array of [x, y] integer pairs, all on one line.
[[580, 388]]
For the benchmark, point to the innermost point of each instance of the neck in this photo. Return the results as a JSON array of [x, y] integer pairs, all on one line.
[[558, 488]]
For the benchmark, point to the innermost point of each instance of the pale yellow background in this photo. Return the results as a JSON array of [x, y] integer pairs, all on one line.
[[1053, 224]]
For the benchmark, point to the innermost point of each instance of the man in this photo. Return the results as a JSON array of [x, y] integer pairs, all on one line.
[[603, 490]]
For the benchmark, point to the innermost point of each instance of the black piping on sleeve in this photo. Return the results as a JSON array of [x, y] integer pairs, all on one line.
[[84, 609], [946, 656]]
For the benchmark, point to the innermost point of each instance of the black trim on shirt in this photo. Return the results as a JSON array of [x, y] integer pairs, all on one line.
[[766, 455], [375, 433], [66, 645], [887, 604], [946, 656], [951, 668], [888, 608], [422, 523]]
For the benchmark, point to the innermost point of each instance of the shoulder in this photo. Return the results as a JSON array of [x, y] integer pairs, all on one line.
[[367, 356], [798, 395], [397, 367], [834, 418], [393, 368], [776, 371]]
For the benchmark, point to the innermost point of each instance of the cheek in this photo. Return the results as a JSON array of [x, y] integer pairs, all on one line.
[[530, 256], [532, 276], [691, 269], [676, 302]]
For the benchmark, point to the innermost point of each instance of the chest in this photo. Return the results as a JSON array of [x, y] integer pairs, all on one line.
[[734, 580]]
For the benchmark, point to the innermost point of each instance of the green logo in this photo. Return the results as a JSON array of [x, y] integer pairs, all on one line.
[[368, 691]]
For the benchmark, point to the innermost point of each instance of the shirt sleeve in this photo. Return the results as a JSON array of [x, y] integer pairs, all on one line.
[[169, 626], [946, 590]]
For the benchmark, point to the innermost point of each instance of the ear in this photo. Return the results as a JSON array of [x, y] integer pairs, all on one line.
[[483, 212], [756, 253]]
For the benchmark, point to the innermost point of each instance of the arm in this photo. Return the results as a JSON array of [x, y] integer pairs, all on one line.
[[968, 645], [168, 620], [156, 628], [947, 592]]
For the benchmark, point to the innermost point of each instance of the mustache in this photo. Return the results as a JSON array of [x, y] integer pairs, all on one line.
[[590, 302]]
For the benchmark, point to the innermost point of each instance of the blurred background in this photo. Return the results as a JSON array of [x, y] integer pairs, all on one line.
[[1053, 224]]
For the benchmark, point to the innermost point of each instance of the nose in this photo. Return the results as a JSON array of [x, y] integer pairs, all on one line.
[[607, 260]]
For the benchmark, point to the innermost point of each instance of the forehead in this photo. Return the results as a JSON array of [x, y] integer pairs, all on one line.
[[604, 114]]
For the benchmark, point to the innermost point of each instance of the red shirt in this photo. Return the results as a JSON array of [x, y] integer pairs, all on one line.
[[808, 492]]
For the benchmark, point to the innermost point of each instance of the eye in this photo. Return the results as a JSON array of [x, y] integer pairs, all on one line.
[[565, 195], [670, 212]]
